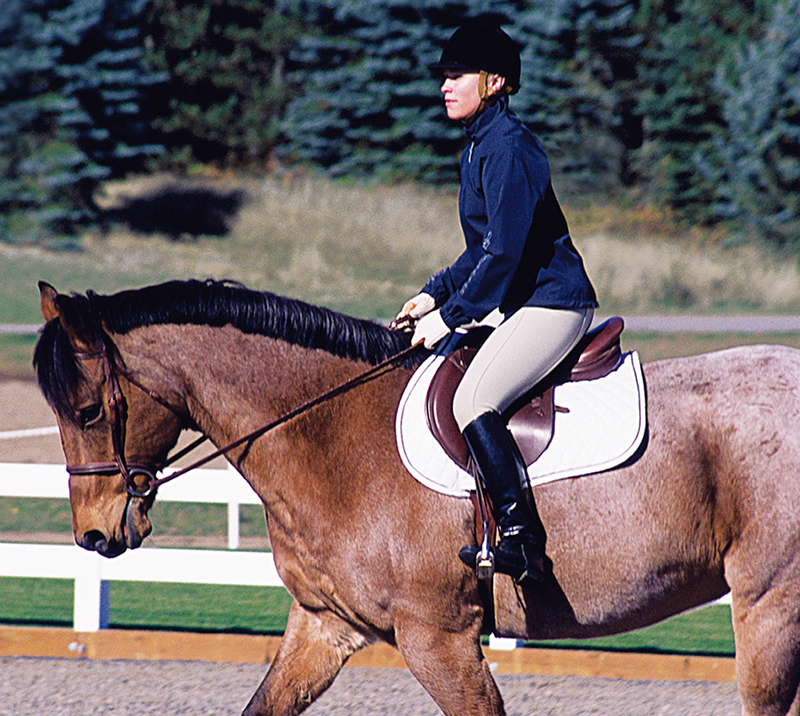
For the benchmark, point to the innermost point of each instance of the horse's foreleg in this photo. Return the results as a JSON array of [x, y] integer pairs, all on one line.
[[312, 651], [768, 653], [451, 667]]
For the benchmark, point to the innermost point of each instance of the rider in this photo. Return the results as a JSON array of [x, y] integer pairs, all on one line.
[[519, 273]]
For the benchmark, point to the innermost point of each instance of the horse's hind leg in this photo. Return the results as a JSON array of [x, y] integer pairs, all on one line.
[[313, 649], [768, 653]]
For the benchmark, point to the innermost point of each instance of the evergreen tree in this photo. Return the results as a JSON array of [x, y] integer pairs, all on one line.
[[683, 111], [368, 105], [756, 170], [226, 90], [71, 90], [579, 61]]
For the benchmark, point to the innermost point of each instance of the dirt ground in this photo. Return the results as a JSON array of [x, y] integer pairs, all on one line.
[[22, 407], [67, 687]]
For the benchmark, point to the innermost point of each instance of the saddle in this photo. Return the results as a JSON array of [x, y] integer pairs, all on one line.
[[597, 354]]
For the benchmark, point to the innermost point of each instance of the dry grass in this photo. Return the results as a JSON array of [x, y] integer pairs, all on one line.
[[669, 276], [364, 249]]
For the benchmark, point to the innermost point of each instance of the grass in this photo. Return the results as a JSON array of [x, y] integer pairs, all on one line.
[[16, 354], [187, 519], [658, 346], [706, 631], [146, 605], [364, 249], [203, 608]]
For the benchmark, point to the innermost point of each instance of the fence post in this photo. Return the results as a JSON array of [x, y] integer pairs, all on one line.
[[91, 606], [233, 525]]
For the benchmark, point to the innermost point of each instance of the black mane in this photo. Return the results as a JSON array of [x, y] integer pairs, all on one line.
[[209, 303]]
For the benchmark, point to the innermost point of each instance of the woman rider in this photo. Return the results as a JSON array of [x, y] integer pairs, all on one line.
[[520, 272]]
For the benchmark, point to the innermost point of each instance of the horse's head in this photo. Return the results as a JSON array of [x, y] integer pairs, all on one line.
[[114, 435]]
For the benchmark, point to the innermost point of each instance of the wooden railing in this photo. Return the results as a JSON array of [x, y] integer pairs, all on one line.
[[92, 573]]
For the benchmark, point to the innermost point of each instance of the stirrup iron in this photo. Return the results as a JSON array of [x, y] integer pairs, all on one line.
[[484, 560]]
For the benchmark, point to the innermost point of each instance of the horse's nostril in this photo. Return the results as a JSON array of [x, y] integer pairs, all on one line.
[[94, 540]]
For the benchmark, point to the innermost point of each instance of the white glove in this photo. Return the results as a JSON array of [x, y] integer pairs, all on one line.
[[430, 330], [418, 306]]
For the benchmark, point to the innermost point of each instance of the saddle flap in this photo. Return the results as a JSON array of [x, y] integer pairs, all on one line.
[[532, 425], [597, 354], [439, 405]]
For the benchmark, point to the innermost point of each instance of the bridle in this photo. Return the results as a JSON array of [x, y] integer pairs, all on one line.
[[117, 410]]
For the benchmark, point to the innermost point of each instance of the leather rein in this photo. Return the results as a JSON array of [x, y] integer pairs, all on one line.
[[118, 419]]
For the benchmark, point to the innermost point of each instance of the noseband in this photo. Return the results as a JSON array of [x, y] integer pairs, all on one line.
[[118, 417]]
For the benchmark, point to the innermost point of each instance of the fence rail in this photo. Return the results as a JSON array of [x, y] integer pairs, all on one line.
[[201, 485], [92, 573]]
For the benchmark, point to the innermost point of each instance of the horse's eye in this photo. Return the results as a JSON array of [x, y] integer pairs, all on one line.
[[90, 414]]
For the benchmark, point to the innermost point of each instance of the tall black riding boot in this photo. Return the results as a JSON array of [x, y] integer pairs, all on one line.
[[501, 470]]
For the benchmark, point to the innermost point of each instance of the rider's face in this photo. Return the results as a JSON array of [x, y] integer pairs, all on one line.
[[461, 95]]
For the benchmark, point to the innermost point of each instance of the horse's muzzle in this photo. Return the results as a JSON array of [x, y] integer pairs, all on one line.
[[96, 541]]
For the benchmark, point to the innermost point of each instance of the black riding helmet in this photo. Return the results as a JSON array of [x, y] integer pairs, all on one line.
[[482, 47]]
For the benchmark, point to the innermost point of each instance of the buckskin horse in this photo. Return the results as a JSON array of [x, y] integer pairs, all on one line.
[[710, 504]]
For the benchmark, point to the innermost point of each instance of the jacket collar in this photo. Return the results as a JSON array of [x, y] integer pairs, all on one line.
[[479, 128]]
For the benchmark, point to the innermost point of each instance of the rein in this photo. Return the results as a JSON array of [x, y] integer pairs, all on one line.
[[118, 416]]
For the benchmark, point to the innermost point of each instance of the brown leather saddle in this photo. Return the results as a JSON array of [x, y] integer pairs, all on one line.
[[597, 354]]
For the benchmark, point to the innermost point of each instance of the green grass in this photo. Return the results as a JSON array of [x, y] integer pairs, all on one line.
[[365, 248], [658, 346], [264, 610], [146, 605], [16, 355], [706, 631], [35, 514]]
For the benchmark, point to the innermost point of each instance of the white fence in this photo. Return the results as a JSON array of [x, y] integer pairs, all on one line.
[[92, 573]]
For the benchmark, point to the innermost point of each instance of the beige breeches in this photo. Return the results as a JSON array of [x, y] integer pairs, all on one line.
[[518, 354]]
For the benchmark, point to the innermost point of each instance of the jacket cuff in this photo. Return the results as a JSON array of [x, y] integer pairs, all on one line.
[[453, 315]]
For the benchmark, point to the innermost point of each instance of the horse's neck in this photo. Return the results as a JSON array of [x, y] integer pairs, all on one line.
[[234, 383]]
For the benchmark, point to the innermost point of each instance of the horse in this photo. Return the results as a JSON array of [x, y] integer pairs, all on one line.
[[708, 505]]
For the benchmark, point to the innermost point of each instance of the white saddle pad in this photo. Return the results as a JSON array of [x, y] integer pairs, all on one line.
[[603, 425]]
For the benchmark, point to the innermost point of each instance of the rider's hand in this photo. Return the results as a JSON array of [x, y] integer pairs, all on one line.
[[417, 307], [430, 330]]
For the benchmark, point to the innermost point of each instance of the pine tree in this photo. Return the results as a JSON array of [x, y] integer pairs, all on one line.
[[579, 64], [71, 91], [30, 152], [369, 106], [683, 109], [756, 167], [226, 88]]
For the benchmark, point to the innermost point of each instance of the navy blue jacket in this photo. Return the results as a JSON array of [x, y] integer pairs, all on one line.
[[518, 248]]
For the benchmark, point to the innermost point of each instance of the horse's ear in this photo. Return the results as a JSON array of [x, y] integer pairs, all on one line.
[[66, 310], [49, 300]]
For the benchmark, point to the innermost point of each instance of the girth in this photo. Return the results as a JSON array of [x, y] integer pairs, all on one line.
[[533, 417]]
